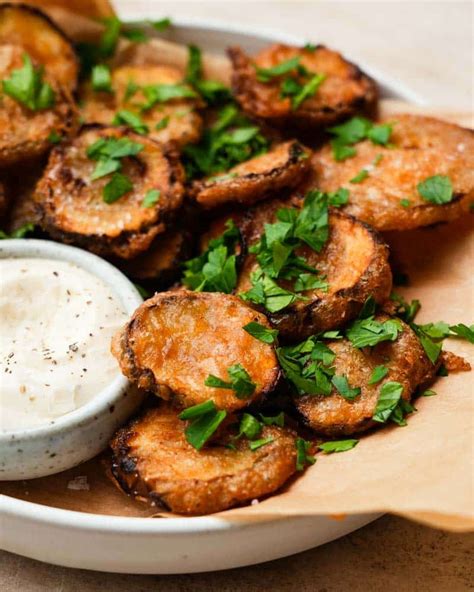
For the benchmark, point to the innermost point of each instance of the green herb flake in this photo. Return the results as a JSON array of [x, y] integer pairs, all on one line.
[[463, 331], [249, 426], [378, 373], [405, 203], [116, 188], [277, 420], [389, 397], [27, 87], [20, 232], [135, 35], [130, 90], [338, 446], [151, 198], [101, 78], [267, 74], [131, 120], [162, 24], [361, 175], [310, 47], [261, 332], [302, 456], [355, 130], [198, 410], [256, 444], [437, 189], [308, 90], [203, 427], [54, 137], [163, 123], [162, 93], [380, 134], [240, 382], [429, 393], [369, 332], [344, 389]]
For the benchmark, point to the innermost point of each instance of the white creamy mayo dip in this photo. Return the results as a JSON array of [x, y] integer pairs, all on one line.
[[56, 323]]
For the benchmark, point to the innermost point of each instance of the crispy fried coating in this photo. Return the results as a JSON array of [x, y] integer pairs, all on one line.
[[176, 120], [283, 167], [175, 340], [344, 92], [406, 360], [354, 262], [153, 460], [26, 134], [32, 31], [160, 264], [420, 147], [72, 207]]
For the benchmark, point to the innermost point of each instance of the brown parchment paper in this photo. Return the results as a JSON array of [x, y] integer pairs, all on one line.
[[424, 471]]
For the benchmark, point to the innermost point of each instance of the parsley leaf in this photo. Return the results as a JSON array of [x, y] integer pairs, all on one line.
[[307, 90], [131, 120], [205, 419], [101, 78], [162, 24], [337, 446], [215, 270], [162, 93], [268, 293], [151, 198], [405, 310], [361, 175], [26, 86], [380, 134], [437, 189], [428, 393], [54, 137], [302, 456], [389, 397], [163, 123], [240, 382], [249, 426], [378, 373], [261, 332], [342, 386], [463, 331], [278, 420], [110, 36], [20, 232], [212, 91], [405, 203], [355, 130], [369, 332], [266, 74], [118, 186], [256, 444]]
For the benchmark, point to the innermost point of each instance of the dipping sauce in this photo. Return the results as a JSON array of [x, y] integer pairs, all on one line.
[[56, 323]]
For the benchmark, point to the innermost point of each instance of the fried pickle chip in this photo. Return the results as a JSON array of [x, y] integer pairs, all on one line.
[[406, 362], [176, 340], [27, 133], [283, 167], [353, 264], [160, 264], [32, 31], [174, 119], [296, 98], [388, 197], [153, 460], [72, 206]]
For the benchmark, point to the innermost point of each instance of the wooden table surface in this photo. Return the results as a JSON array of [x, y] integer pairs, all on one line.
[[427, 46]]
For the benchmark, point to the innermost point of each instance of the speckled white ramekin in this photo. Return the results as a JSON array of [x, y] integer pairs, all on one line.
[[79, 435]]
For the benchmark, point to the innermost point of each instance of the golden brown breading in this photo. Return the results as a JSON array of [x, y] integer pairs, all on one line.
[[344, 92], [406, 360], [179, 119], [420, 147], [153, 460], [283, 167], [32, 31], [72, 207], [175, 340], [354, 262], [24, 133]]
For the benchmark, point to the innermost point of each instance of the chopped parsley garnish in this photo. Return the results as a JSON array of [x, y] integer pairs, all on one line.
[[135, 35], [108, 153], [355, 130], [344, 389], [428, 393], [130, 90], [163, 123], [378, 373], [249, 426], [369, 332], [110, 36], [162, 93], [261, 332], [463, 331], [162, 24], [307, 366], [406, 310], [277, 420], [215, 270], [256, 444], [310, 47], [27, 87], [204, 418], [437, 189], [390, 405], [151, 198], [405, 203], [101, 78], [212, 91], [303, 457], [361, 175], [299, 85], [276, 257], [337, 446], [117, 187], [232, 139], [20, 232], [131, 120], [54, 137], [240, 382]]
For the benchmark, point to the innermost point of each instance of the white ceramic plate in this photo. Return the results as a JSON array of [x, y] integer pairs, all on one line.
[[178, 545]]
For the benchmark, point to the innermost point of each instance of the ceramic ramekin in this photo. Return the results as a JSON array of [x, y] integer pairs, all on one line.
[[83, 433]]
